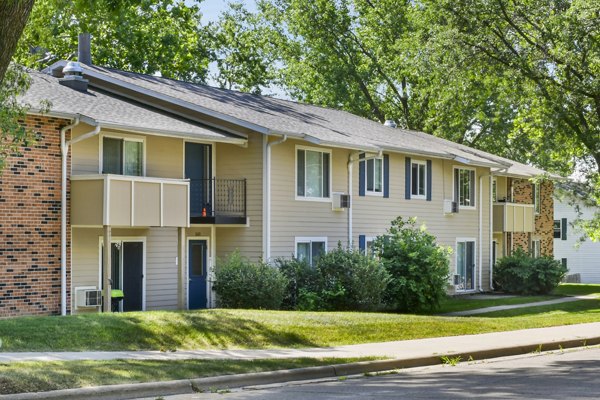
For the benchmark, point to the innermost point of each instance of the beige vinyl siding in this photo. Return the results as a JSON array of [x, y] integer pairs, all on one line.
[[160, 251], [372, 215], [292, 218], [236, 162], [163, 155], [501, 188]]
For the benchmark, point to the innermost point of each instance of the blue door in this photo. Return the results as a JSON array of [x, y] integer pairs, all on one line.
[[197, 256]]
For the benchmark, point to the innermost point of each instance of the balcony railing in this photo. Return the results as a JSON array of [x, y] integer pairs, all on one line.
[[218, 201], [513, 217]]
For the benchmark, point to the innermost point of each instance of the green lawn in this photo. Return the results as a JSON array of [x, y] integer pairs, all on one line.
[[463, 303], [577, 289], [44, 376]]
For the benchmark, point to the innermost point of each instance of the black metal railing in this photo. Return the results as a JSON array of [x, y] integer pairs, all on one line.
[[218, 200]]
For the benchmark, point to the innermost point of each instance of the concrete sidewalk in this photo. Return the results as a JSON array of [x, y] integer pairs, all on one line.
[[514, 306], [406, 349]]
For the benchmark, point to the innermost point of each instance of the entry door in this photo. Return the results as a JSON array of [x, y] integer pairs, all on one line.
[[127, 273], [198, 162], [465, 265], [198, 262]]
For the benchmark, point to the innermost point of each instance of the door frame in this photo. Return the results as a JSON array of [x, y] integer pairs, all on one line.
[[119, 239], [208, 269], [476, 269]]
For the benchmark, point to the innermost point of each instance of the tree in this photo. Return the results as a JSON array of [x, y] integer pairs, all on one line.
[[144, 36], [13, 16]]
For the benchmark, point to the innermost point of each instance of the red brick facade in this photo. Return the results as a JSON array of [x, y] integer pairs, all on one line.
[[30, 195], [544, 221]]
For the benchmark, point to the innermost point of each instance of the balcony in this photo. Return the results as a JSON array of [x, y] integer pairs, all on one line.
[[218, 201], [512, 217], [129, 201]]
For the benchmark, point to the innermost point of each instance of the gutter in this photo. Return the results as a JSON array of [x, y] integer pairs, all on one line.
[[480, 226], [64, 152], [267, 177]]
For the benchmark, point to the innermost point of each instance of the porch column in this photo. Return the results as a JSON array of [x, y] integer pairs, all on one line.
[[182, 272], [106, 269]]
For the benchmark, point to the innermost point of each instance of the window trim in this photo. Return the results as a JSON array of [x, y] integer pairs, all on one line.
[[367, 240], [474, 206], [306, 198], [373, 192], [539, 247], [559, 229], [418, 196], [309, 240], [124, 137]]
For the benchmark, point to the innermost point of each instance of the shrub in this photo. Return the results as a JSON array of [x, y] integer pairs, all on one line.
[[244, 284], [520, 273], [418, 266], [350, 280], [302, 284]]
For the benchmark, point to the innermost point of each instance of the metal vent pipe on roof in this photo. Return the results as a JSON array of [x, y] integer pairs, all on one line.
[[391, 123], [84, 53]]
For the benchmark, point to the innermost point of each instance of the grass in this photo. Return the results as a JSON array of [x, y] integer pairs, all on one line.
[[464, 303], [44, 376], [577, 289]]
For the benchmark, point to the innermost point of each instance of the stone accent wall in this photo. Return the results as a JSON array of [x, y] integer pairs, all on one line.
[[30, 195], [544, 221]]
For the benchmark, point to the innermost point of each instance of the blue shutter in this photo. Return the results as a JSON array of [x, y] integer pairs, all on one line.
[[563, 228], [407, 179], [429, 179], [386, 175], [361, 176], [362, 243]]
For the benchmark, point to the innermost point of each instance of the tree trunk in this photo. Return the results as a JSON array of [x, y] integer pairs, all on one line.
[[13, 17]]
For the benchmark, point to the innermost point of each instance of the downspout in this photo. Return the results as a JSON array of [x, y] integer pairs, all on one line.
[[351, 161], [64, 151], [491, 232], [268, 196]]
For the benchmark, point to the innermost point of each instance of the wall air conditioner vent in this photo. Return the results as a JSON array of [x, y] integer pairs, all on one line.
[[88, 297], [450, 207], [340, 201]]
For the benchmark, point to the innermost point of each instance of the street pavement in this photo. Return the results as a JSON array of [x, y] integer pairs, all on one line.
[[569, 374]]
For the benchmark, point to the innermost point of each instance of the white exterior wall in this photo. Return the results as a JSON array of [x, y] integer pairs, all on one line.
[[585, 258]]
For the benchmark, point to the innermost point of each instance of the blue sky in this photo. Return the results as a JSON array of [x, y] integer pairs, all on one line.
[[212, 8]]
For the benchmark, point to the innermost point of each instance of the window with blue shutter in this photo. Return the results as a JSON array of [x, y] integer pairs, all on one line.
[[361, 176], [407, 174], [563, 227], [362, 243], [386, 175]]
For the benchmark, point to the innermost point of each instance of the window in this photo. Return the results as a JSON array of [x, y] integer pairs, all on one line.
[[464, 187], [122, 156], [312, 173], [369, 249], [494, 190], [374, 175], [536, 249], [536, 197], [418, 179], [557, 229], [310, 249], [464, 279]]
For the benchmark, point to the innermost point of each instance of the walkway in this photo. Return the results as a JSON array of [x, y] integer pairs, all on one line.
[[407, 349], [525, 305]]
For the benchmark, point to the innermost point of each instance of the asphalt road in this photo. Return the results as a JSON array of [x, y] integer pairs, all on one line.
[[572, 374]]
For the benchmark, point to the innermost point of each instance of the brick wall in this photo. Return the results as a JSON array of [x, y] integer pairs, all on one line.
[[523, 194], [30, 191]]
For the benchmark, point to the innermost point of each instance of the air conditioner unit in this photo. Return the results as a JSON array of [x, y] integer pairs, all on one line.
[[88, 297], [340, 201], [450, 207]]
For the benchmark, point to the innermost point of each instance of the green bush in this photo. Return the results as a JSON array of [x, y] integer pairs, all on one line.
[[244, 284], [350, 280], [523, 274], [418, 266], [302, 284]]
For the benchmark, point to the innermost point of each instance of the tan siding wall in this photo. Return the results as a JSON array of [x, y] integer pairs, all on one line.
[[236, 162], [161, 270], [303, 218], [371, 214], [164, 156]]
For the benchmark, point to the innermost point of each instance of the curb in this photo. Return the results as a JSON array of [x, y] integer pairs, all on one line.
[[190, 386]]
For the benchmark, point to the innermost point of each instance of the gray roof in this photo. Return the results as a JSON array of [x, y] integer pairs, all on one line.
[[112, 111], [312, 123]]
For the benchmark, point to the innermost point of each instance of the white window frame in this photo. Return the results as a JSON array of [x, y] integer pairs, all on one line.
[[309, 240], [307, 198], [130, 138], [536, 250], [474, 206], [559, 229], [476, 270], [369, 239], [373, 192], [418, 196], [537, 199]]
